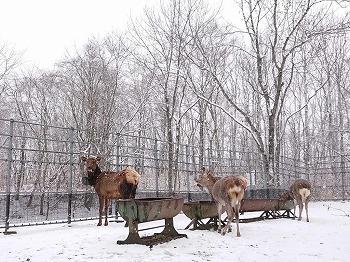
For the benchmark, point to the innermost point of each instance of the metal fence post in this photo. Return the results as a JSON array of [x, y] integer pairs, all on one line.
[[117, 152], [117, 163], [188, 173], [70, 178], [8, 179], [156, 165]]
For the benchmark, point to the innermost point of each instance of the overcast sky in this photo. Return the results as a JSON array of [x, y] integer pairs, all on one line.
[[44, 29]]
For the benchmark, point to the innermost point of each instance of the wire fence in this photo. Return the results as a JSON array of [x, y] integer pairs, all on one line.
[[41, 175]]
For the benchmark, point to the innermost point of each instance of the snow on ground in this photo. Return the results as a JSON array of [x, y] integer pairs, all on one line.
[[325, 238]]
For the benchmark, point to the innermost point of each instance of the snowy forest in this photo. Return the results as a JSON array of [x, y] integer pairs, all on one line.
[[274, 81]]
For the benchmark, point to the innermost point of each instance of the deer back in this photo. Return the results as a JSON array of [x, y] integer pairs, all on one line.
[[300, 189], [229, 188]]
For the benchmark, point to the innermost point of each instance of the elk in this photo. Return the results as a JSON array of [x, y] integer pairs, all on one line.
[[300, 192], [110, 185], [227, 192]]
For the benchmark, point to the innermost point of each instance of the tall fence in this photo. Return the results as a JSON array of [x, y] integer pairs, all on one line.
[[41, 175]]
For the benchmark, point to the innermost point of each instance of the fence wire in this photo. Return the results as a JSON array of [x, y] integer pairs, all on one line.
[[41, 175]]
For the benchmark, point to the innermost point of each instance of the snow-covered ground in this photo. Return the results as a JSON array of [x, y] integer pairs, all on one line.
[[325, 238]]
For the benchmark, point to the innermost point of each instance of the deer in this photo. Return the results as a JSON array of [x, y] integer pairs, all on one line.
[[227, 192], [299, 192], [109, 184]]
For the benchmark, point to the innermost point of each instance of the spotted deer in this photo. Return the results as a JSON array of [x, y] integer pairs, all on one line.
[[227, 192], [300, 192]]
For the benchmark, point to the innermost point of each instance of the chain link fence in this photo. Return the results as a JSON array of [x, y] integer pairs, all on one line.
[[41, 175]]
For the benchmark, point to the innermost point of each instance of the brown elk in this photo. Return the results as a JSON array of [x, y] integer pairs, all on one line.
[[227, 192], [300, 192], [110, 185]]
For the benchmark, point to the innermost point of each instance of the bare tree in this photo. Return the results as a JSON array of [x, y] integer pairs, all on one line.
[[9, 60], [161, 38], [268, 60]]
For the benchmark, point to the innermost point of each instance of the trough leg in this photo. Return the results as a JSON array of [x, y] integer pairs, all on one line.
[[193, 222], [169, 229], [133, 237]]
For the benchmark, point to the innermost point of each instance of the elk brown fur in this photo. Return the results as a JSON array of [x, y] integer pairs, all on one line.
[[110, 185]]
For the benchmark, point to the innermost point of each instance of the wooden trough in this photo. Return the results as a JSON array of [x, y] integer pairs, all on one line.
[[136, 211], [200, 210]]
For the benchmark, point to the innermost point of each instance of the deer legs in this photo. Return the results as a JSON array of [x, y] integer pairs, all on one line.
[[100, 211], [307, 210], [219, 206], [104, 204], [236, 209], [230, 212], [300, 204], [106, 211]]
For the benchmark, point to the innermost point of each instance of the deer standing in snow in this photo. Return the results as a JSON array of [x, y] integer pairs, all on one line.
[[110, 185], [227, 192], [300, 192]]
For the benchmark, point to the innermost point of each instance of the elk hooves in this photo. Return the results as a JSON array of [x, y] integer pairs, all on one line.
[[99, 224]]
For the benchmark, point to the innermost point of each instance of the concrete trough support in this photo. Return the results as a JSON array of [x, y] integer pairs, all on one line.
[[136, 211]]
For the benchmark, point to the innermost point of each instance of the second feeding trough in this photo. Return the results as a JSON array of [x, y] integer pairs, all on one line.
[[265, 201], [136, 211]]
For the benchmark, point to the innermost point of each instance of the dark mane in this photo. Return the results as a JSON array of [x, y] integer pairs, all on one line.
[[92, 179]]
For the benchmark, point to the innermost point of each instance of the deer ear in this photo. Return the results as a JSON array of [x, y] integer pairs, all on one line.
[[83, 158]]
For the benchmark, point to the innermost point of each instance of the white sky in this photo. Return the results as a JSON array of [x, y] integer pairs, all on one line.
[[45, 29]]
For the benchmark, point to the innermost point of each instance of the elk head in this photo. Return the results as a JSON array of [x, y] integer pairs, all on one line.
[[92, 169]]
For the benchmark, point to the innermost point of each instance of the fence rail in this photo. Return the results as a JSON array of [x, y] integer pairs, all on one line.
[[40, 172]]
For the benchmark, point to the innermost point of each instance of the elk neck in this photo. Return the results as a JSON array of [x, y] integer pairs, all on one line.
[[211, 184], [92, 176]]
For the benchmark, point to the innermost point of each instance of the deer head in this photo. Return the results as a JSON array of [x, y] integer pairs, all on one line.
[[92, 169], [206, 179], [91, 163]]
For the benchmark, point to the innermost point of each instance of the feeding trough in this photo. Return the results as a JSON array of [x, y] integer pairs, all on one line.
[[198, 211], [272, 208], [136, 211], [201, 210]]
